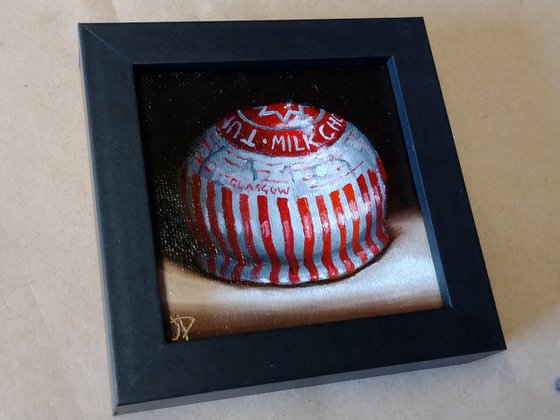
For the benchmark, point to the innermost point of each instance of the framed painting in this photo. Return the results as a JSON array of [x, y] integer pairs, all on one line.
[[272, 195]]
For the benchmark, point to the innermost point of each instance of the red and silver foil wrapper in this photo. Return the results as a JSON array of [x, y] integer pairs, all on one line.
[[284, 194]]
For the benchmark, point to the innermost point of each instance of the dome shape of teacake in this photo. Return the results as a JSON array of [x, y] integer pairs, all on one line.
[[284, 194]]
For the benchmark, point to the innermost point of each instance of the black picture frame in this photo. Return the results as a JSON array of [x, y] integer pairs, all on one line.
[[147, 371]]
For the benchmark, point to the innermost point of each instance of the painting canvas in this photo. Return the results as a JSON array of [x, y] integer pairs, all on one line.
[[280, 197]]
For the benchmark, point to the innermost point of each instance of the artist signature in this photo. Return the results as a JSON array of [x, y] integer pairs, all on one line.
[[181, 325]]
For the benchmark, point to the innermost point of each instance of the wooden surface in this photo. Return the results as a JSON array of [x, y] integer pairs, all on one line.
[[499, 67]]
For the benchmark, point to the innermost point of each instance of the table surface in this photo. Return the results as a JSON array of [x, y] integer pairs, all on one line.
[[499, 67]]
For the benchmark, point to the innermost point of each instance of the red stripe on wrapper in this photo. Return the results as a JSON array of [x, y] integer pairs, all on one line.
[[248, 234], [326, 258], [381, 235], [308, 237], [231, 235], [214, 228], [367, 201], [266, 234], [200, 225], [381, 169], [356, 247], [293, 266], [339, 213]]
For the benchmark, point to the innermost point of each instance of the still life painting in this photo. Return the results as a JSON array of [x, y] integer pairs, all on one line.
[[281, 197]]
